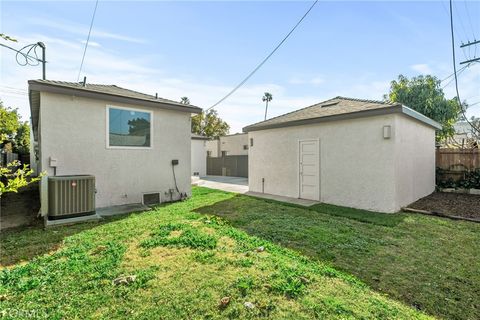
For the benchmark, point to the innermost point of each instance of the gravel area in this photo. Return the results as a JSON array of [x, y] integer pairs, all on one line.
[[451, 204]]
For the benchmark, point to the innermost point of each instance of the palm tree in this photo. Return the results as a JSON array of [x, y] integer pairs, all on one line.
[[184, 100], [267, 97]]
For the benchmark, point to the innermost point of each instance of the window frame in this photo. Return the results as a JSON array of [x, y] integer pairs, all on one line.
[[107, 131]]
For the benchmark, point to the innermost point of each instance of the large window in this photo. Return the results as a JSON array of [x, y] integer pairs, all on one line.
[[129, 128]]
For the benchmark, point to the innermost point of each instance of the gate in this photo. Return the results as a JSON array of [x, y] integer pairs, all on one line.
[[231, 166]]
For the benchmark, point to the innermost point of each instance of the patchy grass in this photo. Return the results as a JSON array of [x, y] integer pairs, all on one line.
[[427, 262], [182, 264]]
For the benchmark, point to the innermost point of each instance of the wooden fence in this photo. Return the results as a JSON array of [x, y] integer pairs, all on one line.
[[454, 163]]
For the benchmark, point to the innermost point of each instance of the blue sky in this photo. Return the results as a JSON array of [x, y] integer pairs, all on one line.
[[203, 49]]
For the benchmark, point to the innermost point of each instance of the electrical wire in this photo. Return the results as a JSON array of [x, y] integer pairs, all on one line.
[[88, 39], [26, 58], [455, 72], [264, 60]]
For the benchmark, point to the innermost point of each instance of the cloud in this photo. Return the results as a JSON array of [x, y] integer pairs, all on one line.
[[78, 29], [313, 81], [90, 43], [421, 68]]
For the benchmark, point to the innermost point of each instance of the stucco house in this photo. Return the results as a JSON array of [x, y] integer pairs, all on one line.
[[350, 152], [199, 155], [126, 139], [229, 145]]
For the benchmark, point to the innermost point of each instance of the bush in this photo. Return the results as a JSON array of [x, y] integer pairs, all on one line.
[[471, 180]]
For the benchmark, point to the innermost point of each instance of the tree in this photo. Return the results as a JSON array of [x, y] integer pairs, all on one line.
[[7, 38], [425, 95], [267, 97], [184, 100], [13, 177], [14, 130], [209, 124], [9, 122]]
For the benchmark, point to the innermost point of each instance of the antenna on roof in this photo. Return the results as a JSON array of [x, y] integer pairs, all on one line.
[[84, 83]]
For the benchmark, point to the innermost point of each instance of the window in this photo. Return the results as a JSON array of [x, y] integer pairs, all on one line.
[[224, 153], [209, 153], [245, 147], [251, 142], [129, 128]]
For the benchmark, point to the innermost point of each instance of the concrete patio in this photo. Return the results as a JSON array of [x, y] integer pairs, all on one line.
[[230, 184], [240, 185]]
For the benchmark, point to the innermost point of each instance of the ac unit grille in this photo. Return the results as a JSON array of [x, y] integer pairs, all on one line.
[[70, 196], [151, 198]]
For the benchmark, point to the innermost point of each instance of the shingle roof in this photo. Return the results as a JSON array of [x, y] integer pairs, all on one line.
[[111, 90], [336, 109]]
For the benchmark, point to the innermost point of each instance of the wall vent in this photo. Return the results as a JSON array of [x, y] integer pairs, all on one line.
[[151, 198]]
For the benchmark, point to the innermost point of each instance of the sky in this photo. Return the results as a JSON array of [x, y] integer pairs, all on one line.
[[203, 49]]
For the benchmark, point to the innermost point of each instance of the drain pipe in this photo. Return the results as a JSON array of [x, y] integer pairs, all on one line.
[[263, 185]]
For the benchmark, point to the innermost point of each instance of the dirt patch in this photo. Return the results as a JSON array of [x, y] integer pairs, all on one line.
[[20, 209], [451, 204]]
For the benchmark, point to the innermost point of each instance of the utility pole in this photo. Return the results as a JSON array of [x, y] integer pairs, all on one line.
[[44, 72], [473, 43]]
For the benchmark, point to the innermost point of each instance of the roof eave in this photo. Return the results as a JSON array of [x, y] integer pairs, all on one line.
[[44, 87], [401, 109]]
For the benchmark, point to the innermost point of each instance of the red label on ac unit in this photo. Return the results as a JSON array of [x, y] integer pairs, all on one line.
[[74, 184]]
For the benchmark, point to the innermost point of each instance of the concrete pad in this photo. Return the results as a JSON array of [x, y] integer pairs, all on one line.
[[67, 221], [301, 202], [121, 209], [99, 214], [230, 184]]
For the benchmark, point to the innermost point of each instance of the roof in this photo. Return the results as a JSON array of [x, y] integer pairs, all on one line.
[[199, 137], [339, 108], [111, 93], [106, 92]]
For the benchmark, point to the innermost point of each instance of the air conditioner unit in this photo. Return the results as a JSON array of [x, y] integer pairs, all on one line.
[[71, 196]]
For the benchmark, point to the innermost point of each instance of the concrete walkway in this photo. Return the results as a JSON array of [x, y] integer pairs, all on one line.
[[230, 184], [240, 185], [300, 202]]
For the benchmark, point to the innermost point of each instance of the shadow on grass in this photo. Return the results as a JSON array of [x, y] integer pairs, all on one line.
[[399, 254], [22, 244]]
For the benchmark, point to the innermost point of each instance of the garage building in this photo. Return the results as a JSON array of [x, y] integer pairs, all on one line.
[[357, 153]]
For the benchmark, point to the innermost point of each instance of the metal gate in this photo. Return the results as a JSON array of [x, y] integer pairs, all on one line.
[[231, 166]]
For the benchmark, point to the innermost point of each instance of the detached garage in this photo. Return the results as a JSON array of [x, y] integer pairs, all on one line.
[[357, 153]]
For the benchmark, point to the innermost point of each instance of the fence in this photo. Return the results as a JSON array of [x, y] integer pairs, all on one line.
[[456, 163], [232, 166], [7, 157]]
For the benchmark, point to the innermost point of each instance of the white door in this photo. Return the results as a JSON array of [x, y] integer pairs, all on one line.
[[309, 163]]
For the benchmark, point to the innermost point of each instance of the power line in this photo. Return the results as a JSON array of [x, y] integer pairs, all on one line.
[[264, 60], [455, 70], [88, 39]]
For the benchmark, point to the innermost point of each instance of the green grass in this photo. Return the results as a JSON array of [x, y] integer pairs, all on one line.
[[429, 263], [184, 262]]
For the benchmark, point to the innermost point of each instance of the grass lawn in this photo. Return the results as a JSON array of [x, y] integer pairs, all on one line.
[[430, 263], [179, 260]]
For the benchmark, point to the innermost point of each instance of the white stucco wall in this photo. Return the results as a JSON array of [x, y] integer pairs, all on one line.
[[233, 144], [357, 165], [199, 157], [212, 147], [73, 130], [415, 160]]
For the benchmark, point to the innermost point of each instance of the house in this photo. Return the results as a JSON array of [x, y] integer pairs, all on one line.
[[133, 143], [229, 145], [199, 155], [464, 137], [350, 152]]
